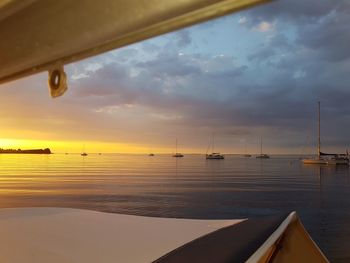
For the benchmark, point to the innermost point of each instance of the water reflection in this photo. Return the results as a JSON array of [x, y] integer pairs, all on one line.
[[190, 187], [328, 225]]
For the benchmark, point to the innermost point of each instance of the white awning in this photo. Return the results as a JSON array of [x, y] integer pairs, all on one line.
[[40, 35]]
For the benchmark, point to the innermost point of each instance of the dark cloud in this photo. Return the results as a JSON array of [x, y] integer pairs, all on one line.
[[297, 12], [172, 66], [278, 89], [184, 38], [321, 26], [171, 87], [329, 37]]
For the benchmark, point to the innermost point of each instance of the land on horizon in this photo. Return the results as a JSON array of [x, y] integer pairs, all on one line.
[[28, 151]]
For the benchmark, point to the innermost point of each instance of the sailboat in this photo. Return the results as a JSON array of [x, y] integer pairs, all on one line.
[[84, 153], [321, 158], [176, 153], [213, 155], [245, 151], [262, 155], [151, 152]]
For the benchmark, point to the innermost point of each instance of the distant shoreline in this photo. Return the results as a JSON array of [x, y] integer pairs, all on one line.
[[31, 151]]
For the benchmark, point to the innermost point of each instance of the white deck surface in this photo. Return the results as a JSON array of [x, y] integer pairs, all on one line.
[[73, 235]]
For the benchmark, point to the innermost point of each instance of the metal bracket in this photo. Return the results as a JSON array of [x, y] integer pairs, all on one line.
[[57, 82]]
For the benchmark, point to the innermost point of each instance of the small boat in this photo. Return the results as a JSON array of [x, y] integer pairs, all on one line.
[[213, 155], [262, 155], [328, 161], [325, 158], [245, 151], [339, 160], [176, 153], [151, 154], [264, 239], [83, 153]]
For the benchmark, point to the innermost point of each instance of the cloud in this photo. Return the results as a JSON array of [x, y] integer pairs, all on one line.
[[297, 12], [242, 20], [329, 37], [264, 26], [187, 84], [184, 38]]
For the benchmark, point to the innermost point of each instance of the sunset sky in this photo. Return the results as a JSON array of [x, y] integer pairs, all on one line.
[[257, 73]]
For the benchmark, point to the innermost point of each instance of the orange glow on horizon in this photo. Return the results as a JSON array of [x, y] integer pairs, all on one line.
[[87, 146], [58, 146]]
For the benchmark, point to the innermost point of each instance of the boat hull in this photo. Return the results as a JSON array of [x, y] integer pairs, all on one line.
[[326, 161], [65, 235], [263, 156], [278, 239], [214, 157]]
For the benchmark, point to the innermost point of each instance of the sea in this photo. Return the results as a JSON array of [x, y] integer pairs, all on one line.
[[188, 187]]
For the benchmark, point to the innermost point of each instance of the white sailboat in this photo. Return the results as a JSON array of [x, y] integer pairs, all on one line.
[[322, 157], [262, 155], [214, 155], [177, 154]]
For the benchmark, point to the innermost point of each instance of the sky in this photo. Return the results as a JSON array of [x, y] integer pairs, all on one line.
[[254, 74]]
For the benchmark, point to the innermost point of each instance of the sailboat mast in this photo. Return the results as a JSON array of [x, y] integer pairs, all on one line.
[[319, 130], [212, 143]]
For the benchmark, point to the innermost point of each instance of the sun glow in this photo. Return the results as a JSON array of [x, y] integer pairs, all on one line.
[[79, 146]]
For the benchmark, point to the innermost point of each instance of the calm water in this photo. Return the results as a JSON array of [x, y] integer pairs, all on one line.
[[190, 187]]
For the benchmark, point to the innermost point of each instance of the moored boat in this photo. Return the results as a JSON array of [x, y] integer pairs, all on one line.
[[215, 156], [177, 154], [262, 155], [325, 158]]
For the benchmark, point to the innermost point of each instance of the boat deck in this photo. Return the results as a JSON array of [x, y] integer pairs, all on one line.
[[73, 235]]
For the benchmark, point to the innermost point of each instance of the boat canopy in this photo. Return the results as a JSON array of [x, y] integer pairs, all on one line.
[[44, 35]]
